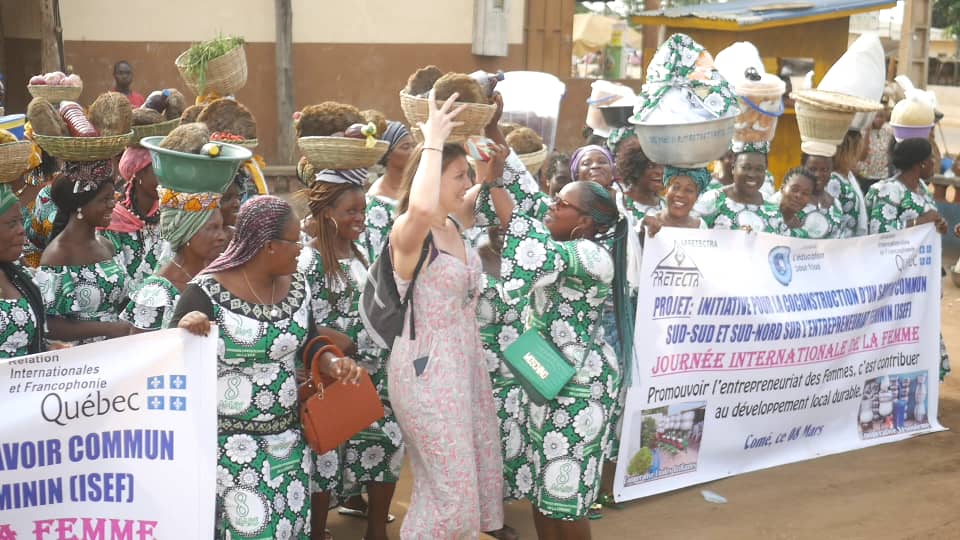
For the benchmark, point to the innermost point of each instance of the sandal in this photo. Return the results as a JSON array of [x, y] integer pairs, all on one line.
[[595, 512], [506, 533], [361, 514]]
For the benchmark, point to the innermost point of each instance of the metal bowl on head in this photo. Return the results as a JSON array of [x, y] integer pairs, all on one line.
[[617, 115], [686, 145]]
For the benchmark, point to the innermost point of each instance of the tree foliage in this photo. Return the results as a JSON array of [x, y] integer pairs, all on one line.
[[946, 14]]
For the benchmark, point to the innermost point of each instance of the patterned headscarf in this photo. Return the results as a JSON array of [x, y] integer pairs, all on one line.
[[700, 176], [183, 214], [306, 173], [394, 133], [581, 153], [681, 62], [88, 175], [260, 220], [7, 198], [618, 135], [740, 147], [346, 176]]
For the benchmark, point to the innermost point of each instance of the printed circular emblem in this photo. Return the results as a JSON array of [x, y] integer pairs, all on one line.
[[234, 393], [561, 478], [588, 423], [247, 511], [816, 225], [513, 446], [243, 330], [780, 267], [87, 298], [280, 445]]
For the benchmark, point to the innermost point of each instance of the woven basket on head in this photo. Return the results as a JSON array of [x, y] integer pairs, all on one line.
[[474, 117], [153, 130], [225, 74], [835, 101], [83, 148], [14, 160], [822, 125], [534, 160], [55, 94], [249, 144], [341, 152]]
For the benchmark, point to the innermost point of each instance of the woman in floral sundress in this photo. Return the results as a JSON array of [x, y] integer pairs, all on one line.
[[261, 305], [21, 306], [336, 269], [438, 383], [81, 274], [903, 201]]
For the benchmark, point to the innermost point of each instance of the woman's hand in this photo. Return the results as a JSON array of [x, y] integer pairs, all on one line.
[[491, 170], [492, 129], [932, 216], [441, 121], [341, 368], [196, 323]]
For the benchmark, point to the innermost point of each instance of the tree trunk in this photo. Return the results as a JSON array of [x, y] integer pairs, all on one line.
[[284, 59], [49, 43]]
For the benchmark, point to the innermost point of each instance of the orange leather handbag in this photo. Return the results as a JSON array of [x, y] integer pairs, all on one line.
[[332, 411]]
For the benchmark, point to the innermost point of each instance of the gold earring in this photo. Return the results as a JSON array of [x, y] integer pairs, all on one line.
[[573, 233], [336, 225]]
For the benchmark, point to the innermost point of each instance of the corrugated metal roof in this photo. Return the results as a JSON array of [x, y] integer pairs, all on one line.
[[747, 13]]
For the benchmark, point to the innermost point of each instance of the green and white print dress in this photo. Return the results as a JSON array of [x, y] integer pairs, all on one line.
[[637, 211], [381, 213], [140, 252], [151, 306], [815, 222], [89, 292], [768, 188], [719, 211], [501, 323], [376, 453], [852, 202], [566, 284], [18, 326], [263, 464]]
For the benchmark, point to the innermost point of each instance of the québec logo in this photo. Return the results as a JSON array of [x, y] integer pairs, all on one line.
[[158, 390], [677, 269], [779, 258]]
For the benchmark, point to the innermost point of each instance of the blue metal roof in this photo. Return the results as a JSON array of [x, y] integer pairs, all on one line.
[[752, 12]]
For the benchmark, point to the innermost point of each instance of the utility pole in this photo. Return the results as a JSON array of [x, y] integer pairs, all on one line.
[[913, 59], [49, 37], [284, 60]]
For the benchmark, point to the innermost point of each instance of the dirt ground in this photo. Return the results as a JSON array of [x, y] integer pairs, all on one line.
[[905, 490]]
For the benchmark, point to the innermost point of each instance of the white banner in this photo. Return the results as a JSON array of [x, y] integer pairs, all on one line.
[[112, 440], [755, 350]]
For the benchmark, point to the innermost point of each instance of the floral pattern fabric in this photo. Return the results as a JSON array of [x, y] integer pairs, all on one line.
[[570, 437], [719, 211], [376, 453], [18, 326], [151, 306], [852, 201], [441, 394], [768, 189], [876, 164], [381, 213], [892, 206], [816, 222], [263, 468], [501, 323], [140, 251], [38, 225]]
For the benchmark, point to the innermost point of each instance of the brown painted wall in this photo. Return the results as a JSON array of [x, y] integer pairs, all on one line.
[[368, 76]]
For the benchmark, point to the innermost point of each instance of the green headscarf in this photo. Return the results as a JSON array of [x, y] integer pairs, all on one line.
[[183, 214], [700, 176], [739, 147], [617, 136], [7, 198]]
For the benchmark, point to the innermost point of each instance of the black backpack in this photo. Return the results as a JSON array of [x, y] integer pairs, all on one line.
[[382, 310]]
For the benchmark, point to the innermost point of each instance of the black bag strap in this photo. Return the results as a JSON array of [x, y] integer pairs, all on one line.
[[413, 280]]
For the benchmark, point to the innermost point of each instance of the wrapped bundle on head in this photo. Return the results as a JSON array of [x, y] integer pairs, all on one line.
[[524, 140], [376, 118], [469, 90], [327, 119], [45, 119], [229, 116], [111, 114], [422, 81], [188, 138], [191, 114]]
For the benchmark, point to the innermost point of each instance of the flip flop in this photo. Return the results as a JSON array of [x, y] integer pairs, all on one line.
[[361, 514], [595, 512]]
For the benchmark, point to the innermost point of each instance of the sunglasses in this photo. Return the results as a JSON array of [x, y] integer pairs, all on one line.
[[559, 202]]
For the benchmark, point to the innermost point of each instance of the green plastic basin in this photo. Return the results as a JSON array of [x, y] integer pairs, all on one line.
[[194, 173]]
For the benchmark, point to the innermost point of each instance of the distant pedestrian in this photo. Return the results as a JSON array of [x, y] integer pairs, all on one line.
[[123, 78]]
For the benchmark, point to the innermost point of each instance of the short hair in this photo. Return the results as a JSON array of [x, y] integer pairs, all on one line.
[[120, 63], [910, 152]]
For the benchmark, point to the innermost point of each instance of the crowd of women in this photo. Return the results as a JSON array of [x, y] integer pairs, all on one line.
[[98, 250]]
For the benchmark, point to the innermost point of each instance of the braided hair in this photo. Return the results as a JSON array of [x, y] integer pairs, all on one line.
[[323, 196]]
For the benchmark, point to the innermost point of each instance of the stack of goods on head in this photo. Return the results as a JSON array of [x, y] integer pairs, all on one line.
[[73, 134], [56, 87], [159, 114], [338, 136], [186, 160], [475, 90], [760, 93], [529, 148], [218, 66], [860, 72], [229, 121], [687, 110], [825, 117], [914, 115], [14, 156]]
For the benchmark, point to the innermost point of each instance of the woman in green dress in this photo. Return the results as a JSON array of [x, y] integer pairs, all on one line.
[[21, 306], [904, 201], [81, 274], [741, 204], [384, 193], [844, 185], [135, 224], [643, 182], [336, 270], [818, 214], [192, 224], [261, 305]]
